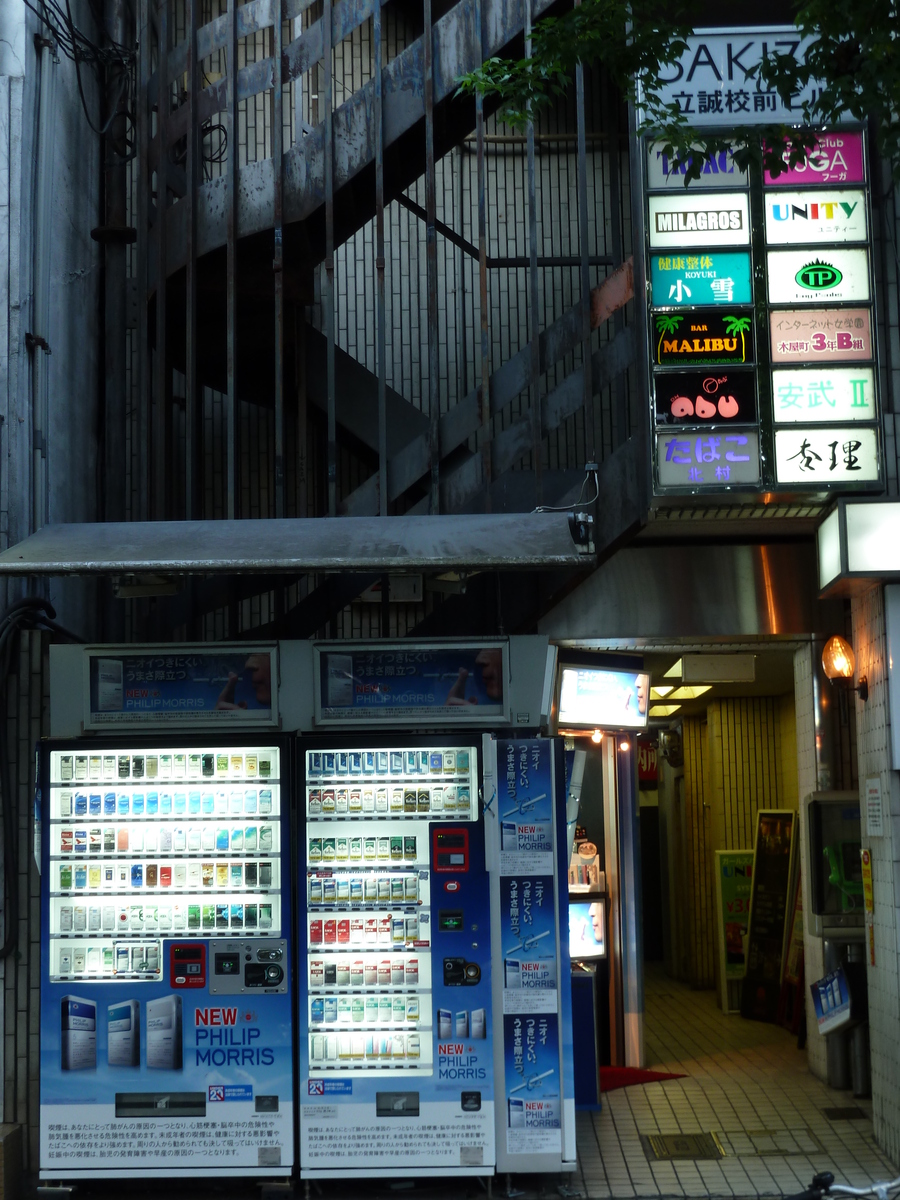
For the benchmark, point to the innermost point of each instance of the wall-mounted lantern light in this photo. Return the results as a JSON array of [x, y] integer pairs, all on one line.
[[839, 663]]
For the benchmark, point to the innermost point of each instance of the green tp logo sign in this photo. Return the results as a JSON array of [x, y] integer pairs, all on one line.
[[818, 276]]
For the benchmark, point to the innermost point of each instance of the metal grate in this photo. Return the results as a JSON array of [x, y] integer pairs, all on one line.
[[673, 1147]]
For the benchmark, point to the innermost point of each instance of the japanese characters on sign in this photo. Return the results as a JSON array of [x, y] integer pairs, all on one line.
[[716, 82], [715, 374], [819, 457], [694, 280], [838, 394], [837, 159], [820, 335], [688, 459]]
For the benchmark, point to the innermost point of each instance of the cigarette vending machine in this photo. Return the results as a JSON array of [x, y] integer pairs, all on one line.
[[166, 1012], [395, 1022]]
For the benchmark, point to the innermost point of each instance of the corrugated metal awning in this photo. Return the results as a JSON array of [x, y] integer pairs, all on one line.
[[292, 545]]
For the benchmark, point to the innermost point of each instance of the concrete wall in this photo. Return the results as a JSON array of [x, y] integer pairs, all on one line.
[[873, 729]]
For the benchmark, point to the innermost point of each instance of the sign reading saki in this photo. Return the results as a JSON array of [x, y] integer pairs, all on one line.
[[702, 336], [689, 397]]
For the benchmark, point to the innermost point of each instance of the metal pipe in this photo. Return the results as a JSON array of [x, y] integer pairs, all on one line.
[[192, 407], [141, 433], [162, 410], [485, 373], [233, 461], [117, 18], [380, 304], [278, 252], [434, 383], [40, 330], [534, 383], [328, 298], [590, 437]]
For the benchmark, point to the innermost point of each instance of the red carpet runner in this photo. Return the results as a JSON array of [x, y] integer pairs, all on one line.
[[620, 1077]]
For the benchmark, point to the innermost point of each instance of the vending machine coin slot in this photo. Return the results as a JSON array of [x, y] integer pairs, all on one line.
[[450, 850], [187, 964]]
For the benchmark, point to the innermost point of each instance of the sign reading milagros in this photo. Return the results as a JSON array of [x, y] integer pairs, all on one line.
[[693, 220]]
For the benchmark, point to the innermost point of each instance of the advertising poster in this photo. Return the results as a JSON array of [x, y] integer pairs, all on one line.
[[447, 684], [187, 686], [831, 1001], [151, 1077], [533, 1099], [525, 787], [734, 884], [528, 932], [527, 936]]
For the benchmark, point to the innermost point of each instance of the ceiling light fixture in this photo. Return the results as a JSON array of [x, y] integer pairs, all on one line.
[[659, 691], [691, 693], [674, 672], [663, 710], [596, 736]]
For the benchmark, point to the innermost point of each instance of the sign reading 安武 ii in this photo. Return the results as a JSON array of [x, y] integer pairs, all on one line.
[[760, 316], [702, 336]]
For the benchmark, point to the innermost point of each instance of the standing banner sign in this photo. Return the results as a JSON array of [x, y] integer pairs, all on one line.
[[734, 881], [533, 1063]]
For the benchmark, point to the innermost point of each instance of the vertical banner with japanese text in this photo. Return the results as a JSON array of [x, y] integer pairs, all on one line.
[[534, 987]]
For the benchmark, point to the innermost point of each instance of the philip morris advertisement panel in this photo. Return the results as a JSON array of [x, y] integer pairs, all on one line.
[[183, 685], [447, 684], [678, 221]]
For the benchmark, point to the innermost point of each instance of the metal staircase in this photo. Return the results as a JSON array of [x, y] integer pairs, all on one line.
[[241, 234]]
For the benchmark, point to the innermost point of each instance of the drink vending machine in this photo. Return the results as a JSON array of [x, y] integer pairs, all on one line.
[[395, 1024], [166, 1009]]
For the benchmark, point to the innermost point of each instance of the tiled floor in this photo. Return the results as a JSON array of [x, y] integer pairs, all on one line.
[[745, 1082]]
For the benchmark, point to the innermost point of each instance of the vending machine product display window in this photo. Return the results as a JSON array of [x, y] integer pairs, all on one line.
[[369, 900], [145, 844]]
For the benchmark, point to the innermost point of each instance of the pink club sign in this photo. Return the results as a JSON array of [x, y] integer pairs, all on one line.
[[837, 158]]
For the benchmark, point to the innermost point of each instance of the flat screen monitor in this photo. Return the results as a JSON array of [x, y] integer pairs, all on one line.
[[592, 698], [587, 929]]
